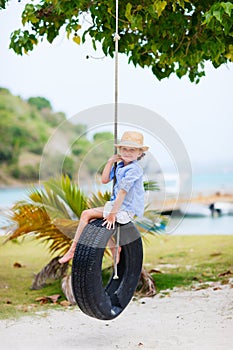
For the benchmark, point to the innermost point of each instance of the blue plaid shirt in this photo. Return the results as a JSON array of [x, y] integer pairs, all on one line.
[[130, 179]]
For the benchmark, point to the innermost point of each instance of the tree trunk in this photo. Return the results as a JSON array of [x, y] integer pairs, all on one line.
[[67, 289], [53, 270], [146, 284]]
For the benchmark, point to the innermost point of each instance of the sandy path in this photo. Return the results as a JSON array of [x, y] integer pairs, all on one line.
[[185, 320]]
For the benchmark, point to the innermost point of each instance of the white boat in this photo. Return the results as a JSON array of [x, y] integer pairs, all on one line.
[[223, 208], [195, 210]]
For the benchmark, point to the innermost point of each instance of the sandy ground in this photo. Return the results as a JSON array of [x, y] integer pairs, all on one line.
[[184, 320]]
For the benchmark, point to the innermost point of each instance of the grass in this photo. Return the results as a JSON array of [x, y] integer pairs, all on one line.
[[16, 297], [177, 261]]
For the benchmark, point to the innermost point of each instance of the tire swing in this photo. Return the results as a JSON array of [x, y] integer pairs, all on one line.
[[106, 303], [93, 298]]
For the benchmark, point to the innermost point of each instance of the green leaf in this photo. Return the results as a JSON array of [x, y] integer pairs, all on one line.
[[3, 4], [77, 39], [218, 15], [29, 14], [228, 6], [229, 54], [159, 6], [139, 8], [136, 22], [128, 9]]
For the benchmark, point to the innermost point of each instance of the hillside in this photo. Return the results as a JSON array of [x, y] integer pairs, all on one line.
[[25, 127]]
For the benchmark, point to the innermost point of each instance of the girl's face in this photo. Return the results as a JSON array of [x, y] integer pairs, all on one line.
[[129, 154]]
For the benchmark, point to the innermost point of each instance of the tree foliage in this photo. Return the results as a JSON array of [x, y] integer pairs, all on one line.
[[3, 4], [39, 102], [168, 36]]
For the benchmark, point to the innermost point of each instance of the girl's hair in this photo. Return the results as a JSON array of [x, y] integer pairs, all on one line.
[[141, 156]]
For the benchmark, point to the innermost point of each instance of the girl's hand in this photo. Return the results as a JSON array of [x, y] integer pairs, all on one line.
[[115, 158], [109, 221], [105, 178]]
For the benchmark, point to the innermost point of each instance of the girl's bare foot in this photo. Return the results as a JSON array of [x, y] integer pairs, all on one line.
[[69, 255]]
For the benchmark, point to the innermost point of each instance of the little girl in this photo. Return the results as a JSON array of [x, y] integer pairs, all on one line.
[[127, 199]]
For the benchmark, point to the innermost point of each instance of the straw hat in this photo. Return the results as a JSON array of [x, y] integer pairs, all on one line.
[[132, 139]]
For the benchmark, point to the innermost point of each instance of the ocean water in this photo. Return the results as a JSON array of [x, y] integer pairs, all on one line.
[[202, 183], [213, 182], [222, 225], [9, 196]]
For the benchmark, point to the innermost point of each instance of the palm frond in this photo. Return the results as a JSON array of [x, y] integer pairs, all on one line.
[[151, 223], [47, 199], [99, 199], [29, 219], [50, 214], [148, 226], [150, 186], [69, 193], [67, 226], [35, 195], [32, 219], [53, 204]]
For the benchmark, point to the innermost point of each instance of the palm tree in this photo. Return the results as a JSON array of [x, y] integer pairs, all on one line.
[[51, 214]]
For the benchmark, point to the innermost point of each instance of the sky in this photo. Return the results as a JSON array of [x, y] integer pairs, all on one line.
[[200, 114]]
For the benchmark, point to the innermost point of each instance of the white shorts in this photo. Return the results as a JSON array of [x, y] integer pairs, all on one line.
[[123, 216]]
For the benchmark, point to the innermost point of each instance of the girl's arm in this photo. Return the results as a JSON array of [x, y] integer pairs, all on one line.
[[105, 178], [111, 218]]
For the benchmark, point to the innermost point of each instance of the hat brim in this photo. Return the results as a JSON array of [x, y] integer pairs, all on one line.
[[132, 144]]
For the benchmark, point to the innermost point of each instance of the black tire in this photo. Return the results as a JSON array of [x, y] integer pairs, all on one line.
[[105, 303]]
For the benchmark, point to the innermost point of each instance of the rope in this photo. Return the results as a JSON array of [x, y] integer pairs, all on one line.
[[116, 277], [116, 39]]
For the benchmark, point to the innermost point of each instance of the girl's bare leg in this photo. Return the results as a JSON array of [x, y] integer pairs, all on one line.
[[86, 216], [113, 248]]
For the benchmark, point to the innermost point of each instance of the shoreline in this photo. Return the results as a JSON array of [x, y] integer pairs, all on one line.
[[170, 207], [204, 197], [18, 186], [200, 198]]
